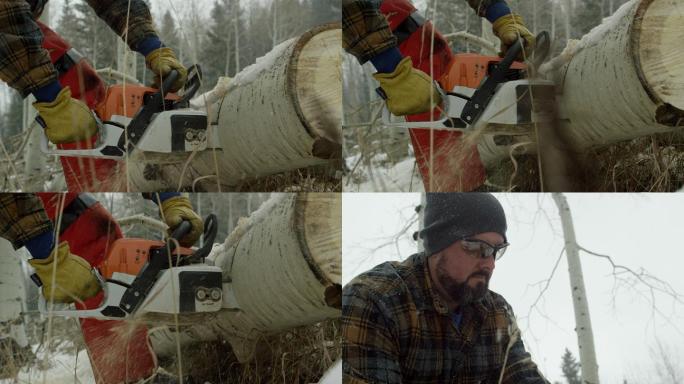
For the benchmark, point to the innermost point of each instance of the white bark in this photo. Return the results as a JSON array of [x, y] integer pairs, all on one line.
[[12, 294], [279, 114], [621, 81], [283, 265], [585, 335]]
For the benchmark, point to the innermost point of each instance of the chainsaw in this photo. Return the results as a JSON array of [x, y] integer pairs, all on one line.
[[161, 125], [148, 276], [503, 96]]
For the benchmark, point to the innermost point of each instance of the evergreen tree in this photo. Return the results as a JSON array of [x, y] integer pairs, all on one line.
[[324, 11], [86, 32], [587, 16], [570, 368], [219, 46], [168, 31]]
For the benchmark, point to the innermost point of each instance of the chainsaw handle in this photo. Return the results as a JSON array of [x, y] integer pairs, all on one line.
[[510, 56], [168, 82], [158, 98], [181, 230]]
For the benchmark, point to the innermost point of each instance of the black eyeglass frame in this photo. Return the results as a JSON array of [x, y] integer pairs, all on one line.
[[486, 250]]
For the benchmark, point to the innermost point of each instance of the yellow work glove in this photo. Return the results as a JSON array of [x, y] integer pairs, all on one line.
[[177, 209], [73, 278], [66, 120], [161, 61], [407, 89], [507, 28]]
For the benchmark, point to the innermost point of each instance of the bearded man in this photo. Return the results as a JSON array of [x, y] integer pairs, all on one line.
[[432, 317]]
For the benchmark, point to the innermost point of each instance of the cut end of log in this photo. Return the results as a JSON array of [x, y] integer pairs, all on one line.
[[318, 87], [321, 234], [660, 27]]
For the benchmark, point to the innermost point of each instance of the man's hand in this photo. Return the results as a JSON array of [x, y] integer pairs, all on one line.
[[508, 28], [162, 61], [177, 209], [409, 91], [66, 120], [73, 279]]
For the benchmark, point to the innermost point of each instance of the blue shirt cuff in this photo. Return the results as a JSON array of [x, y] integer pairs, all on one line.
[[496, 10], [42, 245], [387, 60], [47, 93], [163, 196], [148, 45]]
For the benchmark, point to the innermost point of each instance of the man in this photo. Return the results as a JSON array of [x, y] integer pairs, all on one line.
[[26, 66], [367, 35], [85, 225], [432, 318]]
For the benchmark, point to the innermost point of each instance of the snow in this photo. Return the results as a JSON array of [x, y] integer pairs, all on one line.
[[598, 33], [262, 64], [333, 375], [400, 177], [64, 368]]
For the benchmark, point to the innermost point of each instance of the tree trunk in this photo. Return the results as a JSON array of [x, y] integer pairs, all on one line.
[[279, 114], [282, 264], [585, 335], [621, 81], [12, 295]]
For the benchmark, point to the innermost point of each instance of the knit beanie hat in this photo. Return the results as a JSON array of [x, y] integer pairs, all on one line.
[[450, 217]]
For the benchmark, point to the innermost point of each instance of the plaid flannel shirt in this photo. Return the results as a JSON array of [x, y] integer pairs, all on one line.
[[25, 65], [22, 217], [397, 330], [366, 32]]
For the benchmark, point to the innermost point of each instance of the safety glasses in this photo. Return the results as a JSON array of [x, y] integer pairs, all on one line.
[[484, 249]]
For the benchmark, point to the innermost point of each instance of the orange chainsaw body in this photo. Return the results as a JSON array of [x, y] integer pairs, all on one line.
[[118, 102], [129, 255], [469, 69]]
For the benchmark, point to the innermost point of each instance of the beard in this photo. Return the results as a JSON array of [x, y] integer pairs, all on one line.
[[461, 292]]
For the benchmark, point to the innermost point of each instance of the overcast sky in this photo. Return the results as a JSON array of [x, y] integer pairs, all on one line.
[[637, 230]]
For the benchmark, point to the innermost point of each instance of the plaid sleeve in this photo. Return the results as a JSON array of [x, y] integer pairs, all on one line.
[[22, 217], [365, 32], [480, 6], [136, 21], [520, 369], [369, 354], [24, 64]]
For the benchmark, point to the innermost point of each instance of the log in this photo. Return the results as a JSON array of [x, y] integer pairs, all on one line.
[[279, 114], [283, 265], [621, 81]]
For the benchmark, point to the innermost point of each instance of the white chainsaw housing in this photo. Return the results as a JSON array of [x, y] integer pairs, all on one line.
[[105, 146], [173, 131], [178, 290], [511, 105], [177, 131]]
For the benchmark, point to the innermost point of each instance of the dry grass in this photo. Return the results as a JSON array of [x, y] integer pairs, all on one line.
[[314, 179], [649, 164], [300, 355]]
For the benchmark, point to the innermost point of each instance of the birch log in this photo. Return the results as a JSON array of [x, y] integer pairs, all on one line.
[[621, 81], [283, 265], [279, 114]]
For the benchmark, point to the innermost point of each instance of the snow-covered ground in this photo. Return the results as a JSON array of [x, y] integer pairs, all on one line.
[[63, 369], [400, 177]]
